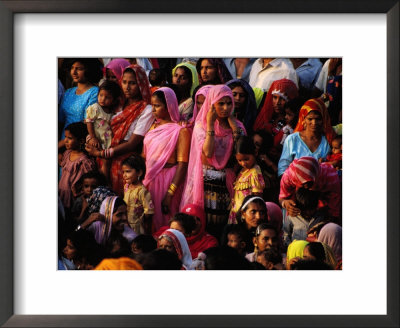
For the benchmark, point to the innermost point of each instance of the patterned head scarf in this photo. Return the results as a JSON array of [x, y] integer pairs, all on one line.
[[317, 105], [304, 169]]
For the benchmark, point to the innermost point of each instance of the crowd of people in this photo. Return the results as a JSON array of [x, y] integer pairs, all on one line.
[[200, 164]]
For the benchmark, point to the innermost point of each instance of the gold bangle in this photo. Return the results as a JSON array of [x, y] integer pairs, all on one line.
[[173, 187], [211, 133], [171, 192]]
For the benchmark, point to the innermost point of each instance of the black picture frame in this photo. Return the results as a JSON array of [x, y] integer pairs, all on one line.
[[7, 11]]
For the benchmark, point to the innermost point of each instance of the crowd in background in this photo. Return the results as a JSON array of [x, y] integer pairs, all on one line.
[[200, 164]]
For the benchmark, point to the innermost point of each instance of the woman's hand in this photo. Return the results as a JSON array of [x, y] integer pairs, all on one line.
[[92, 151], [211, 116], [232, 122], [166, 204], [93, 218], [290, 207]]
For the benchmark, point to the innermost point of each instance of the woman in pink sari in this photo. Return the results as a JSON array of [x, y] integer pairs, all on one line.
[[166, 149], [210, 182]]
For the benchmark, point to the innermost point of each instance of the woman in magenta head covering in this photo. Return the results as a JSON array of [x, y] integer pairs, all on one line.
[[210, 182], [114, 69], [166, 149]]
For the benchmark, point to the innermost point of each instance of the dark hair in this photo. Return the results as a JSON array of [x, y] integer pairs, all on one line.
[[161, 96], [145, 243], [225, 258], [257, 201], [177, 90], [245, 145], [267, 142], [271, 255], [307, 199], [78, 130], [294, 106], [236, 230], [136, 162], [195, 91], [93, 68], [317, 250], [188, 222], [101, 179], [87, 249], [338, 138], [114, 89], [157, 76], [118, 202], [265, 226], [310, 265], [161, 259]]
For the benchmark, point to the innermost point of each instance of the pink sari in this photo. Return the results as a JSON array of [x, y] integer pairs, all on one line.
[[194, 186], [158, 146]]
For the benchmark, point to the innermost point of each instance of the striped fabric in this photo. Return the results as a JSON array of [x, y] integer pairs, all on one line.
[[324, 176]]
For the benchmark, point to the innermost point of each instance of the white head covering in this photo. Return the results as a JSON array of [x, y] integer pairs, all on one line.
[[181, 246]]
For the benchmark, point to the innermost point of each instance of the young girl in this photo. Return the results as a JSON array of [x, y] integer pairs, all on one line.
[[291, 117], [138, 199], [98, 115], [74, 162], [250, 179]]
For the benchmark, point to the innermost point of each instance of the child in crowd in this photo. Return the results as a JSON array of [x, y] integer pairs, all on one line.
[[335, 158], [140, 207], [236, 239], [250, 179], [296, 227], [74, 162], [98, 115], [292, 109], [143, 244], [271, 259], [83, 190], [184, 223]]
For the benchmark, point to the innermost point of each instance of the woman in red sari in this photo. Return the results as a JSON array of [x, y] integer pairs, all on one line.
[[129, 125]]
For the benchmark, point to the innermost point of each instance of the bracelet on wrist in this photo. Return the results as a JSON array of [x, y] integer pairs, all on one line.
[[211, 133]]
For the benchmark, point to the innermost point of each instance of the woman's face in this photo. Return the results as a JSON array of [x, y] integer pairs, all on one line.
[[208, 71], [253, 215], [180, 77], [223, 107], [78, 72], [120, 218], [278, 103], [166, 244], [129, 86], [313, 122], [239, 95], [160, 111], [110, 75], [200, 101], [69, 250], [266, 239]]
